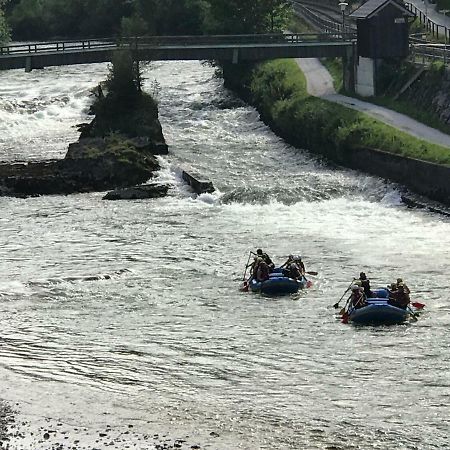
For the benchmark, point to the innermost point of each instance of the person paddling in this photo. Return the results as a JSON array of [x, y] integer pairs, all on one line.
[[357, 297], [266, 258], [365, 284], [399, 297]]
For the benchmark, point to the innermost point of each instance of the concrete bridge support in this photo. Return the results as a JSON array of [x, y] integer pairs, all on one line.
[[366, 76]]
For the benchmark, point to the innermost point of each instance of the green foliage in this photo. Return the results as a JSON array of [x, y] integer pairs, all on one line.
[[248, 16], [37, 19], [133, 26], [125, 108], [124, 83], [418, 101], [4, 27], [443, 4], [279, 91]]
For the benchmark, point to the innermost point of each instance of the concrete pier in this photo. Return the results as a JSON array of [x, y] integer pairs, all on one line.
[[199, 185]]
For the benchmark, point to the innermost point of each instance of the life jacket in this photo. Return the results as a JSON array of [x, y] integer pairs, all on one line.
[[294, 271], [366, 286], [358, 299], [262, 272], [267, 259]]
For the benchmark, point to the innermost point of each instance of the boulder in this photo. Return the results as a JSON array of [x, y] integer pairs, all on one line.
[[94, 164], [138, 192], [198, 184]]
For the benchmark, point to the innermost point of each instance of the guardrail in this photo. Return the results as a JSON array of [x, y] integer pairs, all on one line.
[[436, 30], [167, 41], [426, 53], [327, 24]]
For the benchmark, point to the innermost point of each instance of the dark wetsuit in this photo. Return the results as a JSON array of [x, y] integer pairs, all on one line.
[[399, 299], [365, 283]]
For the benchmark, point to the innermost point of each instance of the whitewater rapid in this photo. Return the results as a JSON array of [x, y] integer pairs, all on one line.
[[129, 313]]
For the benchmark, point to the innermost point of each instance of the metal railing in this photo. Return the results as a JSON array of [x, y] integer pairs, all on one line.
[[436, 30], [428, 53], [168, 41], [56, 46], [324, 23], [421, 50]]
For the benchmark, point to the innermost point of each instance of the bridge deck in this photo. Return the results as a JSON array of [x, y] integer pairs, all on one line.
[[227, 48]]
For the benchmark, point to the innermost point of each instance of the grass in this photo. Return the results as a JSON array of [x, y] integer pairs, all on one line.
[[334, 66], [279, 90], [402, 105], [299, 25]]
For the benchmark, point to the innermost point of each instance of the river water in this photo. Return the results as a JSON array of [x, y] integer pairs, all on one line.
[[127, 316]]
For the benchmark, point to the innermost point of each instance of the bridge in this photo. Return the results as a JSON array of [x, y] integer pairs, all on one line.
[[233, 48]]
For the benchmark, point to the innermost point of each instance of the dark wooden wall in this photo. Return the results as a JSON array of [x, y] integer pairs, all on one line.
[[385, 35]]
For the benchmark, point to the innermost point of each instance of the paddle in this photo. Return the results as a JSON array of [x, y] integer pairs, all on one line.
[[336, 305], [244, 279], [418, 305], [312, 273], [413, 314]]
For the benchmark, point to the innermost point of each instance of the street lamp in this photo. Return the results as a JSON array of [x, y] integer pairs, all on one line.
[[343, 6]]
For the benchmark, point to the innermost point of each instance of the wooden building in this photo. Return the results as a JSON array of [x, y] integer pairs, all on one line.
[[383, 29]]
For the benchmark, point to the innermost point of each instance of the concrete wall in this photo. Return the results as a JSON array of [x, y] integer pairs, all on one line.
[[365, 77], [428, 179]]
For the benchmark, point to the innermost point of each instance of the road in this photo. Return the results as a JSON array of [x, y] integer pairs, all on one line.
[[320, 84]]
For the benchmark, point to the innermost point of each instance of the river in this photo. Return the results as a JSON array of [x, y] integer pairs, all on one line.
[[127, 317]]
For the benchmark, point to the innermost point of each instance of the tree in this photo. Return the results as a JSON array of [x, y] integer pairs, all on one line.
[[4, 28], [248, 16], [28, 19], [124, 83], [278, 13]]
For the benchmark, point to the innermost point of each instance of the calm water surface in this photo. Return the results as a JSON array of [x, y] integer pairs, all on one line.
[[163, 339]]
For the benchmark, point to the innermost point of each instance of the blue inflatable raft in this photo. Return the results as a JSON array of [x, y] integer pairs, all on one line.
[[278, 284], [378, 311]]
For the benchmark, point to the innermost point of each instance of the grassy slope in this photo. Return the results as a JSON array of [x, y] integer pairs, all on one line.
[[279, 89], [403, 106]]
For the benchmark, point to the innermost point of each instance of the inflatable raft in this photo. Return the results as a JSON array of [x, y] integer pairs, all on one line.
[[378, 311], [278, 284]]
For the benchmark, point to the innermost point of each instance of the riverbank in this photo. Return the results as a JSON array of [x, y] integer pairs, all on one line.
[[348, 137], [422, 93]]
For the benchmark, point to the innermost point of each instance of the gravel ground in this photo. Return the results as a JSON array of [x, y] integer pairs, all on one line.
[[53, 435]]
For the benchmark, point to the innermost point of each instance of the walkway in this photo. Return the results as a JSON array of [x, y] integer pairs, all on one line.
[[429, 10], [166, 48], [320, 84]]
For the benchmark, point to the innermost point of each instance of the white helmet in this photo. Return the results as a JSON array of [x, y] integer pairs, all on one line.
[[355, 287]]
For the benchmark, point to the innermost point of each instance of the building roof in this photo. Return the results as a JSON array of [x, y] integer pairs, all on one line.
[[372, 7]]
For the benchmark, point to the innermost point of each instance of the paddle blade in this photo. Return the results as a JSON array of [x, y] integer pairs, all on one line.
[[342, 312], [336, 306], [312, 273], [418, 305]]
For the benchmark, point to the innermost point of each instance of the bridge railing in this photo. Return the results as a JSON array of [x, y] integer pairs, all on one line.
[[167, 41], [56, 46]]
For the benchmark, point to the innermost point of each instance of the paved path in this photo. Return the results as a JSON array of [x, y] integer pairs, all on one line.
[[430, 10], [320, 84]]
